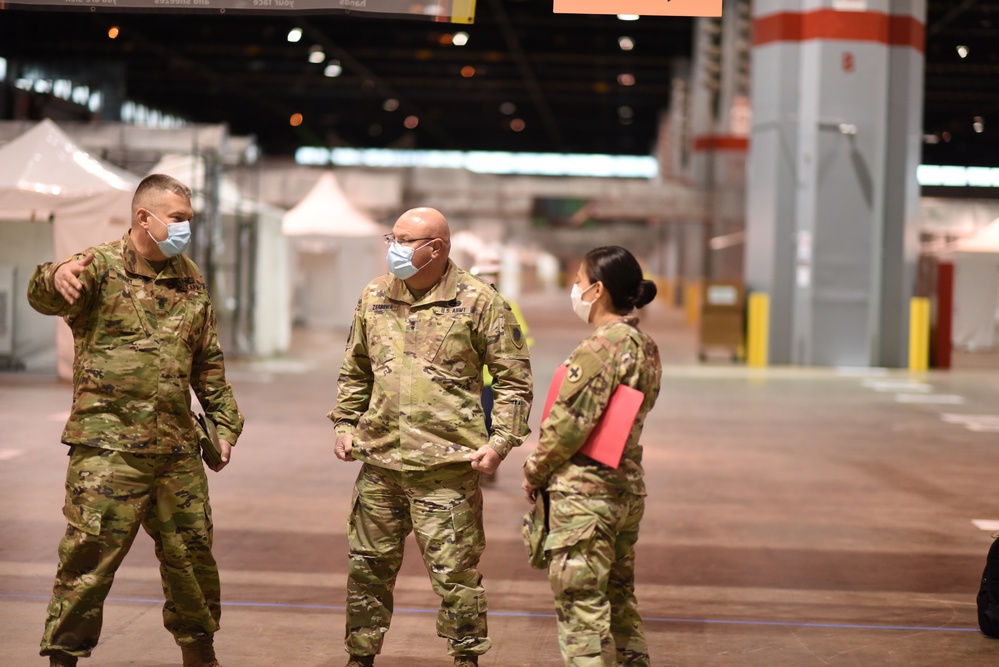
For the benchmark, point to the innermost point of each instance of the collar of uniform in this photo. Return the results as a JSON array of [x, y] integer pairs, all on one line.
[[630, 320], [446, 288], [137, 264]]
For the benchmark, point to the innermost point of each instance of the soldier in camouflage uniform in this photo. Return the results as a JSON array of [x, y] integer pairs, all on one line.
[[595, 509], [145, 335], [408, 407]]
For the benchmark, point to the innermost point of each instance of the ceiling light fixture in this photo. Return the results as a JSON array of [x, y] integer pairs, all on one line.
[[628, 17], [294, 34], [333, 69], [963, 51], [316, 54], [626, 43], [460, 39]]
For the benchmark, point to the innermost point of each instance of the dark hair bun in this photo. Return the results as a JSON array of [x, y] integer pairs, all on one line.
[[645, 293]]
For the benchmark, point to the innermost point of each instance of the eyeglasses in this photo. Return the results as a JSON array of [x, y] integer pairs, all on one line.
[[389, 239]]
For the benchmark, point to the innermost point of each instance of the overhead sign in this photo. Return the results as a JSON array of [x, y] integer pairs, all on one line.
[[445, 11], [641, 7]]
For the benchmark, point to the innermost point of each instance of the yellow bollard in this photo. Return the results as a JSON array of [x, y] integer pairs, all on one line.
[[919, 333], [758, 330], [692, 302]]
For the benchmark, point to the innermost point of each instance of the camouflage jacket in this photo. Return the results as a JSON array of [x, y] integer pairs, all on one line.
[[615, 353], [411, 381], [142, 341]]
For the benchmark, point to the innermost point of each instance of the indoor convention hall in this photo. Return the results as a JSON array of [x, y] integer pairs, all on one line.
[[510, 333]]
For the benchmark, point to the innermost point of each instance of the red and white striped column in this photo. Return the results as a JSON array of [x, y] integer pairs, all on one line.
[[832, 191]]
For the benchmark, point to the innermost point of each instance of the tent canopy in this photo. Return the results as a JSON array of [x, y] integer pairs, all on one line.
[[985, 239], [326, 211], [42, 171], [976, 289], [46, 176]]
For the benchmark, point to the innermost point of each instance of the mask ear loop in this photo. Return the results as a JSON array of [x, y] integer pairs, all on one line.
[[421, 248], [149, 214]]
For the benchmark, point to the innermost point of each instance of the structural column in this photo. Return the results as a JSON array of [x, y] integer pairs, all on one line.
[[719, 123], [832, 191]]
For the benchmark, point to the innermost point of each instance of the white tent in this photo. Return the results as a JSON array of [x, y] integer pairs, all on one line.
[[337, 250], [271, 317], [976, 288], [45, 177]]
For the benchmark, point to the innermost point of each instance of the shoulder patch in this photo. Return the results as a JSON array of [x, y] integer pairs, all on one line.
[[574, 374]]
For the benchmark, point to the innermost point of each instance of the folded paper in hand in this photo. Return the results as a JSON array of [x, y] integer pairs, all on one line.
[[608, 438], [208, 440]]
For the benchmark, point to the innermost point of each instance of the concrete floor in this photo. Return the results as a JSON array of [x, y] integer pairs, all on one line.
[[796, 516]]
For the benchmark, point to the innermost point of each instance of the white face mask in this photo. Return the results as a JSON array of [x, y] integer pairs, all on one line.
[[580, 307]]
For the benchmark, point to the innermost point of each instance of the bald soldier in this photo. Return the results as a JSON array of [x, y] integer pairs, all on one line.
[[408, 407], [145, 336]]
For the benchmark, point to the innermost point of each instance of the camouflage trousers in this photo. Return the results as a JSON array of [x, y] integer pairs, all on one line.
[[592, 573], [443, 508], [108, 495]]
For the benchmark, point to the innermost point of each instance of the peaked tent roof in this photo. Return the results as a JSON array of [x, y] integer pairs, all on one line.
[[44, 161], [326, 211]]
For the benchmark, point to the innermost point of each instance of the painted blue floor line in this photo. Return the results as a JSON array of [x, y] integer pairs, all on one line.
[[524, 614]]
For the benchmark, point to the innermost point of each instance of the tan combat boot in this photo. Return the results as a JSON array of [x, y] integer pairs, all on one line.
[[466, 660], [62, 660], [361, 661], [200, 654]]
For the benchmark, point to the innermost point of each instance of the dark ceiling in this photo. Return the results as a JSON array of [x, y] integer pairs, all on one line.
[[559, 73]]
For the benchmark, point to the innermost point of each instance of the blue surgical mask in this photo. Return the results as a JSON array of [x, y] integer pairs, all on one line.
[[178, 237], [400, 260]]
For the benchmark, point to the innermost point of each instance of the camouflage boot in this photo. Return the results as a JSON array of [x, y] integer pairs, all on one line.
[[361, 661], [466, 661], [62, 660], [199, 654]]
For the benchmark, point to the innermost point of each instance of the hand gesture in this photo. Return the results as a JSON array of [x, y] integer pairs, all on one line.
[[66, 278], [530, 491], [344, 446], [485, 460]]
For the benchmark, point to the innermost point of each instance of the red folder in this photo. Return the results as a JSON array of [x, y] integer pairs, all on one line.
[[608, 438]]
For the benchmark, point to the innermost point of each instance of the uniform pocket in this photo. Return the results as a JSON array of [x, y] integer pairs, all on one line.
[[571, 533], [83, 518], [352, 517], [454, 353], [582, 644]]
